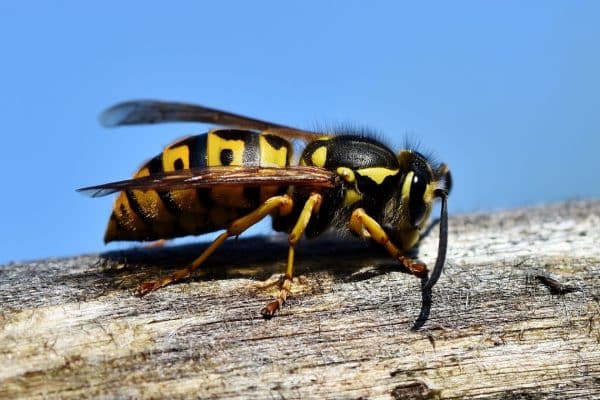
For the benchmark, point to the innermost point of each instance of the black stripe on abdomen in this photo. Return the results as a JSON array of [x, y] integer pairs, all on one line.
[[135, 206], [155, 165]]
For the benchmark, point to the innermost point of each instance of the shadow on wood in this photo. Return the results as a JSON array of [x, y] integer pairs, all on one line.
[[262, 257]]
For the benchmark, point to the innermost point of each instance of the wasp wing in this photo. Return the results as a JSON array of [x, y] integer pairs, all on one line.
[[218, 176], [153, 111]]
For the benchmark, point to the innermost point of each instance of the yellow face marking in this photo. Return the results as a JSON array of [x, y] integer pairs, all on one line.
[[350, 197], [319, 156], [346, 173], [270, 156], [406, 187], [428, 195], [377, 174], [428, 199], [216, 144]]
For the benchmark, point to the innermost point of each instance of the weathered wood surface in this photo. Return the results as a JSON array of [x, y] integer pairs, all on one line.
[[499, 325]]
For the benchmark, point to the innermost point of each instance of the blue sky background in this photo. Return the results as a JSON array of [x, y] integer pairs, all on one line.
[[507, 93]]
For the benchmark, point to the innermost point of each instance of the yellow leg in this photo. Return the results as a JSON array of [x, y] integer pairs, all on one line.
[[283, 203], [311, 206], [366, 227]]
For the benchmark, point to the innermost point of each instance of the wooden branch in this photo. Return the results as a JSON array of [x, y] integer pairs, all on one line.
[[516, 314]]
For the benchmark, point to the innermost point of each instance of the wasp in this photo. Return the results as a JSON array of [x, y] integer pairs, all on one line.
[[231, 178]]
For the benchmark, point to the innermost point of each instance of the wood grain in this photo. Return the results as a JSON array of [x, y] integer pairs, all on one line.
[[516, 314]]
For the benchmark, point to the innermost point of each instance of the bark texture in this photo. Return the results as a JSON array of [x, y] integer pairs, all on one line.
[[516, 314]]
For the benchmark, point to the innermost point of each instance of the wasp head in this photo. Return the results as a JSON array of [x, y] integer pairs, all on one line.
[[409, 209]]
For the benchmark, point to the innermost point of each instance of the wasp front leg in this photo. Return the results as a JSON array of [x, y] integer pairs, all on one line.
[[367, 228], [282, 203], [311, 206]]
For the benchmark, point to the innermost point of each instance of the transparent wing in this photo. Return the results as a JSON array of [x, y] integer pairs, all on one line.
[[218, 176], [153, 111]]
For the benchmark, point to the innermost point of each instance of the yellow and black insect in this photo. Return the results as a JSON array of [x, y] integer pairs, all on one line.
[[232, 178]]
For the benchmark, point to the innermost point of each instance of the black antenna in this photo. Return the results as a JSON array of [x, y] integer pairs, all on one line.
[[443, 242]]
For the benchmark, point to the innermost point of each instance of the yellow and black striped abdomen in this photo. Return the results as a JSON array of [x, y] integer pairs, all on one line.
[[151, 215]]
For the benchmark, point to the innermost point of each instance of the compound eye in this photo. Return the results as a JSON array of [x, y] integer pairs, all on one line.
[[416, 203]]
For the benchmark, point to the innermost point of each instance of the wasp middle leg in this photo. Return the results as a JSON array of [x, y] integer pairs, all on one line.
[[282, 203], [311, 206]]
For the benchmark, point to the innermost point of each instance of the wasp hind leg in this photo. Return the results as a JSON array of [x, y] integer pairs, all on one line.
[[311, 206], [283, 203], [367, 228]]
